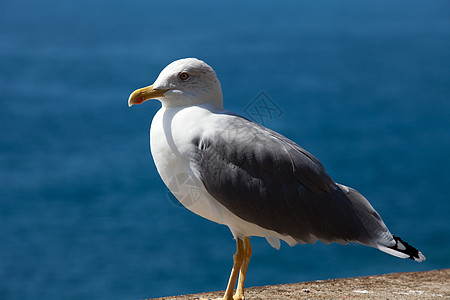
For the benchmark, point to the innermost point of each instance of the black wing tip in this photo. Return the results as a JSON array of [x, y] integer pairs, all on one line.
[[404, 247]]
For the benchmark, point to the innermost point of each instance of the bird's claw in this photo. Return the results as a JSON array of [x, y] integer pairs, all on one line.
[[238, 297]]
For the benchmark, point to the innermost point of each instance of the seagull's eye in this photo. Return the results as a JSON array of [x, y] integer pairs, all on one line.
[[184, 76]]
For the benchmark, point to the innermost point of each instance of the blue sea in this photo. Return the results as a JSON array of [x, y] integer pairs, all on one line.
[[363, 85]]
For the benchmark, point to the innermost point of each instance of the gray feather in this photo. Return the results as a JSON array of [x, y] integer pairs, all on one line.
[[269, 180]]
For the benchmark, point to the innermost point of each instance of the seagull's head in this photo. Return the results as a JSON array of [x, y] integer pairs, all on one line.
[[184, 82]]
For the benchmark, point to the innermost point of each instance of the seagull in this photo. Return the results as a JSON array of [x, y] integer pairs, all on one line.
[[236, 172]]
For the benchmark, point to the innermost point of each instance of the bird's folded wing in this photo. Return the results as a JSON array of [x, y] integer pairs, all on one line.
[[267, 179]]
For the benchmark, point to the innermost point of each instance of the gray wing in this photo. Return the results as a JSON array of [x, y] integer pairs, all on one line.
[[267, 179]]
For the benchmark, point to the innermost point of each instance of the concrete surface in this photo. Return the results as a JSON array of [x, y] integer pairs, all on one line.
[[413, 285]]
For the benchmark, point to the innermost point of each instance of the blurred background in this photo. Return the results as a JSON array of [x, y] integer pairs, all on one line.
[[364, 86]]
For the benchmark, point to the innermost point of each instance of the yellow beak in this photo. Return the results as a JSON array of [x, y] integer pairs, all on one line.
[[141, 95]]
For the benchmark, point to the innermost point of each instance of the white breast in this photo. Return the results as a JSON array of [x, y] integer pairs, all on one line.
[[171, 136]]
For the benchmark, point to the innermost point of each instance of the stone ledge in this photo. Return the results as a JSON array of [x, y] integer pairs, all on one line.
[[412, 285]]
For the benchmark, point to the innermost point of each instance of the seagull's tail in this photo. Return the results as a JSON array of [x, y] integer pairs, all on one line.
[[377, 234], [403, 250]]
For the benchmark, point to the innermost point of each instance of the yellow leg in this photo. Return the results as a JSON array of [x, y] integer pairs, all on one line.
[[247, 254], [238, 258]]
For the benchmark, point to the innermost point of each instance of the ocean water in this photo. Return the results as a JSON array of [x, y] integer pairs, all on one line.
[[364, 86]]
